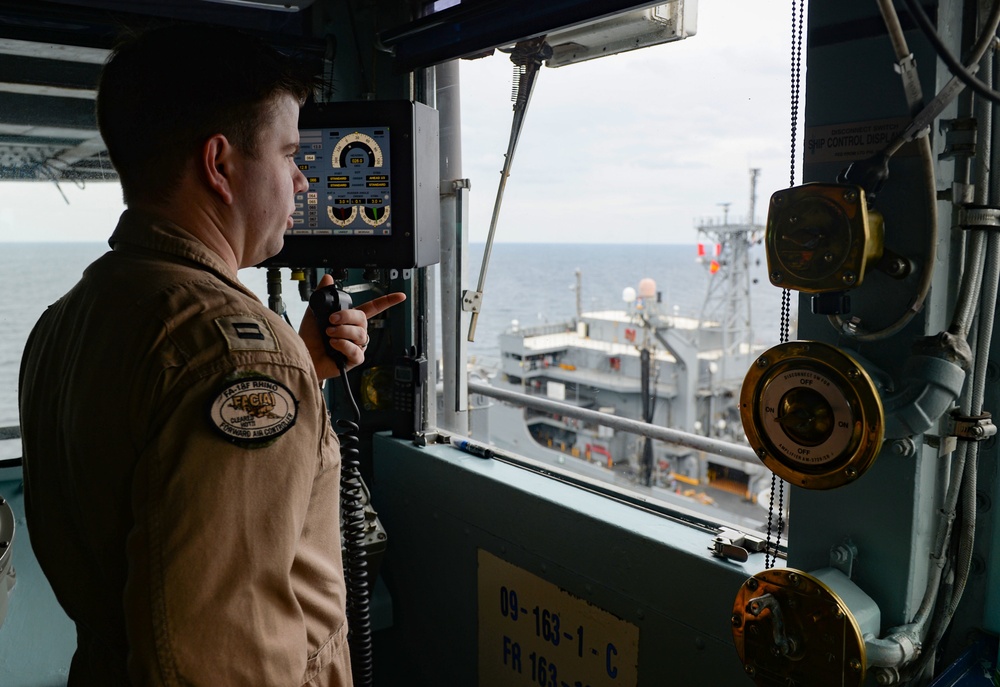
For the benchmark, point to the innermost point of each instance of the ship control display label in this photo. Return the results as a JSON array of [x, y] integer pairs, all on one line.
[[847, 142], [532, 632]]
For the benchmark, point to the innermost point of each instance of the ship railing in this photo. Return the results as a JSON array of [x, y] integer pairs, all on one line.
[[547, 405], [540, 329], [670, 436]]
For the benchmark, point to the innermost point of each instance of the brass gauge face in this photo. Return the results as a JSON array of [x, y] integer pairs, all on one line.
[[821, 238], [812, 414], [792, 629], [814, 245]]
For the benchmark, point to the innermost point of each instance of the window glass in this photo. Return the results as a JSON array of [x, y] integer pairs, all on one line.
[[49, 235], [627, 275]]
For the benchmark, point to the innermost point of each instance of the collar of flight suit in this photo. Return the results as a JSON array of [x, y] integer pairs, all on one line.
[[147, 231]]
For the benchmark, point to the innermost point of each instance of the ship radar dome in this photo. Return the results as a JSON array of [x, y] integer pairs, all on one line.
[[647, 288], [628, 294]]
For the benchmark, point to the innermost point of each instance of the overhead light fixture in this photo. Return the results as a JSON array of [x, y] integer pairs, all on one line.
[[475, 28], [643, 28]]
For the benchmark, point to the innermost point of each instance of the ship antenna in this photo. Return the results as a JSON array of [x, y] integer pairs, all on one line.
[[754, 173], [725, 213]]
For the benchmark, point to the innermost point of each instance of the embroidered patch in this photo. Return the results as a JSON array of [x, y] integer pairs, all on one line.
[[247, 333], [253, 410]]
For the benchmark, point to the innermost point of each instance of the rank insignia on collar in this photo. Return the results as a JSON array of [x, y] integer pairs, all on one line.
[[253, 411]]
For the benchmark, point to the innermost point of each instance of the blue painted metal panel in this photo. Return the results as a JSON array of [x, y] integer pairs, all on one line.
[[440, 506]]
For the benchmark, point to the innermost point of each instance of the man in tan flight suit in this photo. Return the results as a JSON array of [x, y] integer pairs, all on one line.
[[181, 473]]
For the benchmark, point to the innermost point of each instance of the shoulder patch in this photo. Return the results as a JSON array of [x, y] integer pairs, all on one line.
[[253, 411], [247, 333]]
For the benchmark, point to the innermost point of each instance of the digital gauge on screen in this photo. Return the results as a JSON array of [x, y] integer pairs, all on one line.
[[349, 182]]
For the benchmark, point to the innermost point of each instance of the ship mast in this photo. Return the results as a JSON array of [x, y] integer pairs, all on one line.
[[727, 300]]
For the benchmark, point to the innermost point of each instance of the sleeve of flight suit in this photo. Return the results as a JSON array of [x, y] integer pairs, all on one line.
[[220, 518]]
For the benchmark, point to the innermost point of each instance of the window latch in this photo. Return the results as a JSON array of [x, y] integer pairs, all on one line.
[[735, 545]]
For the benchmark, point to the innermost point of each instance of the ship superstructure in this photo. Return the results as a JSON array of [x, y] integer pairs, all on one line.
[[644, 362]]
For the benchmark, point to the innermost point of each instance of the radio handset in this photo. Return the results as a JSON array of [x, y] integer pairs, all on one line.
[[324, 302]]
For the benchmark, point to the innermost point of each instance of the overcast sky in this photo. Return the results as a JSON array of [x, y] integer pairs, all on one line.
[[633, 148]]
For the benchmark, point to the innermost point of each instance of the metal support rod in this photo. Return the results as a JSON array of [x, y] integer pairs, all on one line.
[[528, 54], [670, 436], [425, 295], [454, 244]]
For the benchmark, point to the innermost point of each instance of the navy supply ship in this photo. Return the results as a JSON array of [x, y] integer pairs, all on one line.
[[646, 362]]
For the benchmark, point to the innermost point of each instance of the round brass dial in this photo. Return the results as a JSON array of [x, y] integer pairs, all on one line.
[[791, 628], [816, 243], [821, 238], [812, 414]]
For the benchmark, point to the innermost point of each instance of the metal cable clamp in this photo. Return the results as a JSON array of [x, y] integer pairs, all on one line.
[[979, 217], [973, 427]]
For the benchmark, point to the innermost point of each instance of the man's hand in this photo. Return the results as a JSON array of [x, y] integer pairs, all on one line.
[[347, 332]]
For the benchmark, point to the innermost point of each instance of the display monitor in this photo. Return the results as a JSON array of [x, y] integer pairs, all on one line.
[[373, 198]]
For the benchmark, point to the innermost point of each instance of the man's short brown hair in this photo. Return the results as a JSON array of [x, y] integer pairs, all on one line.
[[166, 91]]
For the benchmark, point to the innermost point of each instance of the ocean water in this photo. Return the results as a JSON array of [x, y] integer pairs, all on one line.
[[530, 283], [535, 284]]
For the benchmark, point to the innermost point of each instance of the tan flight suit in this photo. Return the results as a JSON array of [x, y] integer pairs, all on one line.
[[181, 475]]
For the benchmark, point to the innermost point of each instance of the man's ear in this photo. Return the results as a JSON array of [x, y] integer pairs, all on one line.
[[216, 164]]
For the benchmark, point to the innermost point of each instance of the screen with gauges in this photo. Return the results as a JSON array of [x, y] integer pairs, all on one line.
[[372, 200], [350, 192]]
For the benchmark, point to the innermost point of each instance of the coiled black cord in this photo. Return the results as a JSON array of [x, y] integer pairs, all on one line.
[[352, 514], [323, 302]]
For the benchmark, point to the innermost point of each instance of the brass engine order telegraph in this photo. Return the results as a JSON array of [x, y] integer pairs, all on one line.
[[796, 628], [811, 411], [821, 238], [812, 414], [814, 417]]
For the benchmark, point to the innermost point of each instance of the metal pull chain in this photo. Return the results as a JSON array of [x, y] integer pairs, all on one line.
[[798, 14]]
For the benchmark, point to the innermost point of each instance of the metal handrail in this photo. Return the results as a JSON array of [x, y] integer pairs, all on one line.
[[540, 329], [670, 436]]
